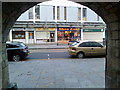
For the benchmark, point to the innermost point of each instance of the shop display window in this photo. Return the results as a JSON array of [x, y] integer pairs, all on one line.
[[68, 35], [18, 34]]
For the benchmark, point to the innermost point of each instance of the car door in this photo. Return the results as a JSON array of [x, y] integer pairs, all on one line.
[[11, 49], [98, 49], [86, 48]]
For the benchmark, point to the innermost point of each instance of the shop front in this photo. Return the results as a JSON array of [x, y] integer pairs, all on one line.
[[66, 34], [25, 35], [93, 34], [45, 35], [18, 35]]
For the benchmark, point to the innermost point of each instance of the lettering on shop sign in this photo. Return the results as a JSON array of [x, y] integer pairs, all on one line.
[[67, 29], [74, 28], [64, 29]]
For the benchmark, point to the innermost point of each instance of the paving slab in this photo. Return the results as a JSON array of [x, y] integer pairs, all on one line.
[[62, 73]]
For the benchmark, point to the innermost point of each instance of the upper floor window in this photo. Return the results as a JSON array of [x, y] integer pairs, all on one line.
[[84, 14], [37, 12], [65, 13], [58, 13], [79, 13], [30, 13], [53, 12]]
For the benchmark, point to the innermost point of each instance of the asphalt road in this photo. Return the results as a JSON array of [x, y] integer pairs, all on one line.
[[48, 54]]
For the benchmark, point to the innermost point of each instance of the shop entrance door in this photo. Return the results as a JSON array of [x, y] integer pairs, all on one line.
[[31, 37], [52, 37]]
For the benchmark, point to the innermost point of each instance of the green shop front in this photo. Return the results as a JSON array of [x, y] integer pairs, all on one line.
[[93, 34]]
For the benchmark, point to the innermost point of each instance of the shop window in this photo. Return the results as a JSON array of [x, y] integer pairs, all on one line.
[[18, 34], [37, 12], [68, 35], [30, 13]]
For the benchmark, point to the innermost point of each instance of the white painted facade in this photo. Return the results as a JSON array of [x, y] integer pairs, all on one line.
[[48, 14]]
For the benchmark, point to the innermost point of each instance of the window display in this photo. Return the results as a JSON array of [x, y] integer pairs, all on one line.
[[68, 34], [18, 34]]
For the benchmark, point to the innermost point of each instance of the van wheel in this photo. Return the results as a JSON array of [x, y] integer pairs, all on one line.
[[16, 57], [80, 55]]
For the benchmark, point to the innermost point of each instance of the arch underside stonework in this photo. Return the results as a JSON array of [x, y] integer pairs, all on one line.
[[109, 11]]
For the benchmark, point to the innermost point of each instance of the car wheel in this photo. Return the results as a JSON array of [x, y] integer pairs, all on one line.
[[80, 55], [16, 57]]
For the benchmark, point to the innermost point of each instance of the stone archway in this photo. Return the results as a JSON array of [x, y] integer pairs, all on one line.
[[109, 11]]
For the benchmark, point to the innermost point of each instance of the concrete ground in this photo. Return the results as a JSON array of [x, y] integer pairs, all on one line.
[[58, 73]]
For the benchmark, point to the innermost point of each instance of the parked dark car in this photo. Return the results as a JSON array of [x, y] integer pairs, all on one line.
[[16, 51]]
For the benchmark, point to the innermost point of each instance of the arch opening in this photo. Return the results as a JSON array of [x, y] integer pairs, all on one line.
[[106, 11]]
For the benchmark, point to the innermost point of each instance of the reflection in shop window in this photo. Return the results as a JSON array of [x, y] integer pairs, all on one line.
[[18, 35]]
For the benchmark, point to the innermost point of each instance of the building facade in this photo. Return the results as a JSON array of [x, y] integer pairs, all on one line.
[[58, 21]]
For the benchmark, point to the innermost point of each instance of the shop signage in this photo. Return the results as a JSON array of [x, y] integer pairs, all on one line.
[[68, 29], [45, 29], [93, 30], [63, 29]]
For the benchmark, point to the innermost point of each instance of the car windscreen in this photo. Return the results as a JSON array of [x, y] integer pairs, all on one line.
[[22, 45]]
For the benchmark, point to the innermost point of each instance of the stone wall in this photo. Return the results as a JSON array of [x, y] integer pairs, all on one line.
[[108, 11], [0, 45]]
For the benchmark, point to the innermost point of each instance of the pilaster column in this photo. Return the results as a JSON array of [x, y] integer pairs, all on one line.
[[34, 36], [26, 38]]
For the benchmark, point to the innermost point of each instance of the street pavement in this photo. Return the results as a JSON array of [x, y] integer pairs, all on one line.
[[58, 73]]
